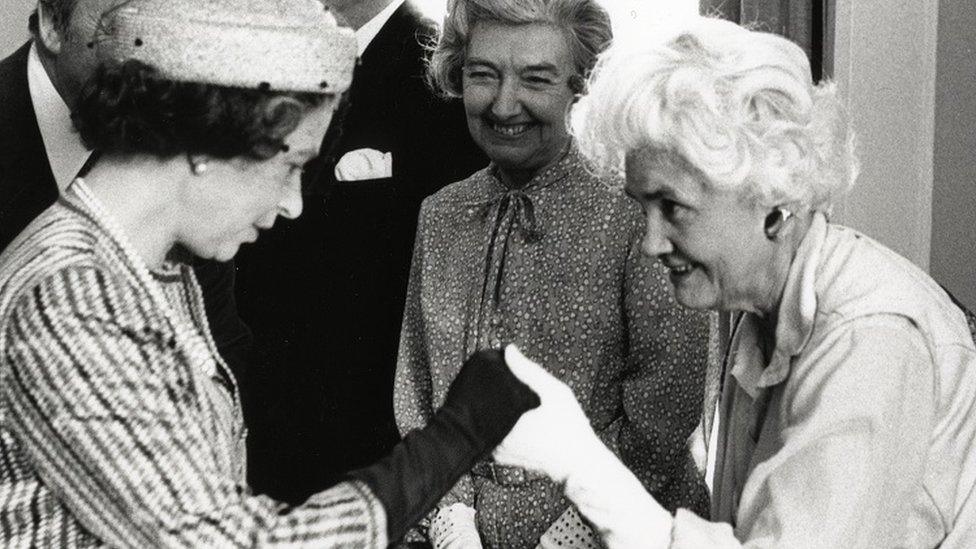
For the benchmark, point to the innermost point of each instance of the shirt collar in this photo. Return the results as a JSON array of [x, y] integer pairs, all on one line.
[[797, 310], [65, 152], [569, 161], [366, 33]]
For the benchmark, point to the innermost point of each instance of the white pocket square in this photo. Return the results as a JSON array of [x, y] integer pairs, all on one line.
[[362, 164]]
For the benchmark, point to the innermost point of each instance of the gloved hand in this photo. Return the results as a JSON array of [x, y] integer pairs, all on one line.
[[481, 406], [454, 527], [557, 440]]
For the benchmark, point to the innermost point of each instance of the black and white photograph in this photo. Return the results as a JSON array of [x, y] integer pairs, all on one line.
[[488, 274]]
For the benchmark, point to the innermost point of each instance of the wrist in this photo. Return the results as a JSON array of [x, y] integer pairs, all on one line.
[[609, 495], [587, 455], [419, 470], [591, 463]]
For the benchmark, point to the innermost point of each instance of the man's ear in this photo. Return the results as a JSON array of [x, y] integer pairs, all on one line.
[[48, 29]]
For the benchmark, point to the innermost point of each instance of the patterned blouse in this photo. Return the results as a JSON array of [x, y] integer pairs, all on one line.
[[554, 267], [119, 423]]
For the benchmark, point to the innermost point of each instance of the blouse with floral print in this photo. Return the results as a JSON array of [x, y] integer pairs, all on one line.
[[554, 267]]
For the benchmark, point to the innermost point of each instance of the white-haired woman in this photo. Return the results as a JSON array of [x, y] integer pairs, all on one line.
[[537, 250], [848, 411]]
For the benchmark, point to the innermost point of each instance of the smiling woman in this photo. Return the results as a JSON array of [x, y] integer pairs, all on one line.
[[517, 82], [536, 250], [687, 230], [846, 414]]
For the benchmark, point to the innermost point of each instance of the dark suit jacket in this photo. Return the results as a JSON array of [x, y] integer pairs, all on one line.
[[27, 188], [324, 294]]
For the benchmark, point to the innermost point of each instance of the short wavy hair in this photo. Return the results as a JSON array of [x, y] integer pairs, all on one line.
[[130, 109], [585, 22], [738, 105]]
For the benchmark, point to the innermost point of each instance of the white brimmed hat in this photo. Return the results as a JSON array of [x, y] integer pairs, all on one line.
[[285, 45]]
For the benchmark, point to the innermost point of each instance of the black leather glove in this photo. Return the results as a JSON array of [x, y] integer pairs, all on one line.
[[482, 405]]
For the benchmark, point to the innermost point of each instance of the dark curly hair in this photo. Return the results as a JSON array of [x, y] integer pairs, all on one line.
[[131, 109]]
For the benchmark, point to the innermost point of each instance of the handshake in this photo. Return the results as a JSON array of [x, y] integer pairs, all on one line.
[[507, 405], [555, 438]]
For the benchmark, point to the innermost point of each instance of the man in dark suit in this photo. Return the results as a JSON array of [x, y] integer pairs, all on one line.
[[40, 153], [324, 293]]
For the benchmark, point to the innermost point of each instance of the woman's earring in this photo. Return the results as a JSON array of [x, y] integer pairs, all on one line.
[[197, 166], [577, 85], [774, 222]]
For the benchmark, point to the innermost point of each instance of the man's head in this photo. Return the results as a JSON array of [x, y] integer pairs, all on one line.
[[63, 31]]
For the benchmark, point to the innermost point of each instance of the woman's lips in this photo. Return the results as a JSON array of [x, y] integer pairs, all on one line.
[[509, 130], [679, 271]]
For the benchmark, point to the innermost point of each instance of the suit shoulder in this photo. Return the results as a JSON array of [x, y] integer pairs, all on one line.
[[13, 82], [421, 24]]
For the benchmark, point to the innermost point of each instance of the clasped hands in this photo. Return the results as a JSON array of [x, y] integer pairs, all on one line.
[[556, 439]]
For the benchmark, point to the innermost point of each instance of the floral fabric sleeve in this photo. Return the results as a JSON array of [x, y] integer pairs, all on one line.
[[413, 385]]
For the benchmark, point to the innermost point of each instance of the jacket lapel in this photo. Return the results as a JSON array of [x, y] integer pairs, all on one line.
[[27, 185]]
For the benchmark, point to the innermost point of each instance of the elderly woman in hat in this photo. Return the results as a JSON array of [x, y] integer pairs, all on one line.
[[119, 423], [848, 410], [536, 250]]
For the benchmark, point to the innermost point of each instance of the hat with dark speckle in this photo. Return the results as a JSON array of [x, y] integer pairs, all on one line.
[[287, 45]]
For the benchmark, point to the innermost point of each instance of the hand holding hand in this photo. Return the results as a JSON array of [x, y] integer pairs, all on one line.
[[555, 438], [486, 399], [481, 406]]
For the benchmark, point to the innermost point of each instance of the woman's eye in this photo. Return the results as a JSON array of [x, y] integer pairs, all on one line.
[[672, 210], [479, 75], [539, 81]]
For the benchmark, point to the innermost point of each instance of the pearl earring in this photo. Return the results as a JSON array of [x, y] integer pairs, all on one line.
[[198, 168]]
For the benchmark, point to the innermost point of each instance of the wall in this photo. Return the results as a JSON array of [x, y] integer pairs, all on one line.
[[885, 64], [13, 24], [953, 261]]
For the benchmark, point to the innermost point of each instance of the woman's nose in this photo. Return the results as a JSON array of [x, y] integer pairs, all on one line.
[[506, 103], [290, 205], [655, 242]]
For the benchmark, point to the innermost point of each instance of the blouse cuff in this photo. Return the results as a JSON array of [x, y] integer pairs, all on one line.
[[569, 531], [374, 510], [454, 526]]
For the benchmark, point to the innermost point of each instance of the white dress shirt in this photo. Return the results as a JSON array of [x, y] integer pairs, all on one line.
[[65, 152]]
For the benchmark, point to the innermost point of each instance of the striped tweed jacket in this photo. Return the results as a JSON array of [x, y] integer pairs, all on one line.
[[119, 423]]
